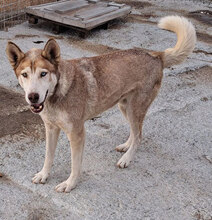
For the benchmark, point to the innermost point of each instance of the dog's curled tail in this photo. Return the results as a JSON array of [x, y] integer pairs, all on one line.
[[186, 39]]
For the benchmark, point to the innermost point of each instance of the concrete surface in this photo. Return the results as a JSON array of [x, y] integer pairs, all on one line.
[[171, 175]]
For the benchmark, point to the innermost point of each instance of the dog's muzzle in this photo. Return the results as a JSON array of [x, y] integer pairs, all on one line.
[[37, 108]]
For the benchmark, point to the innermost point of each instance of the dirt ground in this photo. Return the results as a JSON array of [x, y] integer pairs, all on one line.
[[171, 176], [15, 116]]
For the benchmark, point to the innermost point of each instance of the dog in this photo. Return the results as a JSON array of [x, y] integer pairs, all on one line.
[[66, 93]]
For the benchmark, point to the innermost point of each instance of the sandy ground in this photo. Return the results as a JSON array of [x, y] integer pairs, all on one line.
[[171, 176]]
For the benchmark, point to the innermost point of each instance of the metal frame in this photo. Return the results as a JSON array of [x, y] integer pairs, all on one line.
[[12, 12]]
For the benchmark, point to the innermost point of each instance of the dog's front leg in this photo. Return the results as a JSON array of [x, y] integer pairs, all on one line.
[[52, 134], [77, 140]]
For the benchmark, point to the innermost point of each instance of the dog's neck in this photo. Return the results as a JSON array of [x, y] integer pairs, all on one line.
[[65, 78]]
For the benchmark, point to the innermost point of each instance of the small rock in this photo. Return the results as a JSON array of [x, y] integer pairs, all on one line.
[[204, 99]]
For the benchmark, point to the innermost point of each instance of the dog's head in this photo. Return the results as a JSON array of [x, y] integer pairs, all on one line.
[[36, 71]]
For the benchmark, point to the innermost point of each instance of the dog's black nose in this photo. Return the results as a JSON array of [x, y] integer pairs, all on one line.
[[33, 97]]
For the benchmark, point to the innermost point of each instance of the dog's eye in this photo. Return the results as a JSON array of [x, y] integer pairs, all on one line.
[[24, 75], [43, 74]]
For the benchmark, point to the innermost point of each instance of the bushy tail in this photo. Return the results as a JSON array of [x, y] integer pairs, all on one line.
[[186, 39]]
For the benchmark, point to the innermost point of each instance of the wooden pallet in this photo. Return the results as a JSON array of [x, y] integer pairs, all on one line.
[[81, 14]]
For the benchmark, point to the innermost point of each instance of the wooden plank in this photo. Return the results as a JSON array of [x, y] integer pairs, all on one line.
[[93, 1], [46, 4], [52, 16], [94, 22], [94, 12], [116, 4], [68, 6], [60, 5], [73, 7]]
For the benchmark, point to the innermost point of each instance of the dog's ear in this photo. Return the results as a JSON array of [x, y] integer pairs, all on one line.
[[51, 51], [14, 54]]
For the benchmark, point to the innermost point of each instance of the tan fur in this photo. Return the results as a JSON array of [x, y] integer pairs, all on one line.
[[82, 88]]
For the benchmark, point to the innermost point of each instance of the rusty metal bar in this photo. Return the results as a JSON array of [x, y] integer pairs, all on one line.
[[12, 12]]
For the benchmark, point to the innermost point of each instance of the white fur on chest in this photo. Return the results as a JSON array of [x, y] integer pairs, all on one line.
[[58, 118]]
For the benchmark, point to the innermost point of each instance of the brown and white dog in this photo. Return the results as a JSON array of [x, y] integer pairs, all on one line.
[[66, 93]]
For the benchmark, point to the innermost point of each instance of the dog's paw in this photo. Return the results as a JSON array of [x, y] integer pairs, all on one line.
[[122, 147], [66, 186], [124, 161], [40, 177]]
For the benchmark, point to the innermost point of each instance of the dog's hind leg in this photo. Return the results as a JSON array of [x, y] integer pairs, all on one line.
[[125, 146], [52, 134], [137, 106], [77, 140]]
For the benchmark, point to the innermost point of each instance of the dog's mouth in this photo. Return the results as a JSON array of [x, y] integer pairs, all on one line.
[[37, 108]]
